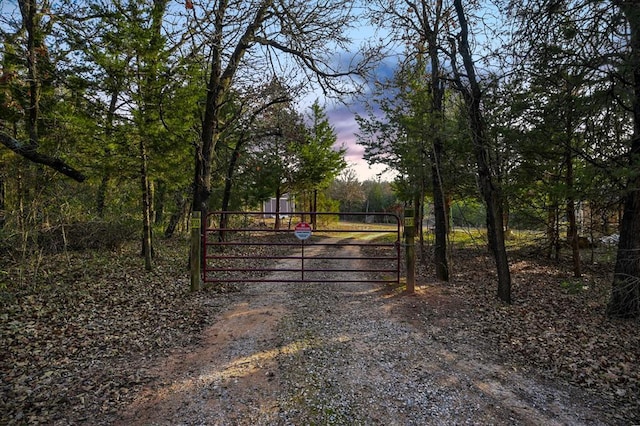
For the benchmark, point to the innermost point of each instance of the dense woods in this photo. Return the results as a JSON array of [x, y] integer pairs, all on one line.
[[511, 128], [160, 106], [121, 117], [539, 99]]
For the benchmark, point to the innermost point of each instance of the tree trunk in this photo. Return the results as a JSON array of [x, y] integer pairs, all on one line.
[[147, 245], [228, 186], [101, 196], [159, 196], [572, 230], [625, 294], [552, 230], [418, 226], [182, 208], [218, 86], [486, 179], [277, 211], [440, 214], [3, 196], [439, 204], [440, 217], [314, 210]]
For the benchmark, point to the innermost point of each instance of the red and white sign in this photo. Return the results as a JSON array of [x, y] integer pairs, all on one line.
[[302, 230]]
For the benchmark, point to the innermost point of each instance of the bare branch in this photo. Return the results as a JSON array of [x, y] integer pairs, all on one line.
[[307, 60], [29, 152]]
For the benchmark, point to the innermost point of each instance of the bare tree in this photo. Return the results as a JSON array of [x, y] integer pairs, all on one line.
[[470, 88], [247, 39]]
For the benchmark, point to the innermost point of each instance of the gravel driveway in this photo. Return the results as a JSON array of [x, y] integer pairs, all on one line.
[[348, 354]]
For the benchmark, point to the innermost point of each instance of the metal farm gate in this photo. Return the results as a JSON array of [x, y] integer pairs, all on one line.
[[246, 247]]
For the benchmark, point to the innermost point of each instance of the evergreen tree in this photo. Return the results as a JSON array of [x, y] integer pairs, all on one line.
[[318, 161]]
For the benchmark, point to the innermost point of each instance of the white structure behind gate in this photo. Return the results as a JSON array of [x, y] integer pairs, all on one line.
[[287, 204]]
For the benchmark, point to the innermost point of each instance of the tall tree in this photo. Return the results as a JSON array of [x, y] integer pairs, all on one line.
[[396, 133], [603, 44], [135, 60], [625, 296], [151, 59], [561, 92], [348, 191], [142, 91], [433, 21], [423, 29], [36, 26], [275, 153], [319, 161], [241, 37], [487, 175], [239, 139]]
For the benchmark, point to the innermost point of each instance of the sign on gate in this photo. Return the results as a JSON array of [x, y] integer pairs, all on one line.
[[302, 230], [376, 260]]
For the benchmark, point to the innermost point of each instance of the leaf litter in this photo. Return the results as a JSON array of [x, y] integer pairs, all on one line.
[[80, 340]]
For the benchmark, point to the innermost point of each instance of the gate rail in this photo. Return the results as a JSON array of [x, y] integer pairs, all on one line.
[[224, 245]]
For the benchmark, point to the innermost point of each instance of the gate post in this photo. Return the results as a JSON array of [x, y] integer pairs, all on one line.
[[410, 249], [196, 254]]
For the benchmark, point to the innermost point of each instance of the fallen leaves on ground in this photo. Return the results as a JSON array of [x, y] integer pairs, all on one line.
[[75, 338], [79, 336], [556, 325]]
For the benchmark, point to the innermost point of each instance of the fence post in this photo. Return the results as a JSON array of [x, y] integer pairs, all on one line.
[[410, 249], [196, 254]]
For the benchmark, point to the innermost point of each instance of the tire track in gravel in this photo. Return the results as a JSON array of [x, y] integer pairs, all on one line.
[[342, 354], [228, 379]]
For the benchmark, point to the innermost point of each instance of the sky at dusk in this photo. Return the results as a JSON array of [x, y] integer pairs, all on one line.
[[342, 119]]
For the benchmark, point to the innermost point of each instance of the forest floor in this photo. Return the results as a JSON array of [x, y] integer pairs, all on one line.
[[91, 338]]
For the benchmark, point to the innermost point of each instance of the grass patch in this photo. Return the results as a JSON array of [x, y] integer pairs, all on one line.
[[468, 237]]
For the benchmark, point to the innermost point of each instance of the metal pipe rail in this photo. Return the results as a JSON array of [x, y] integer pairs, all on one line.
[[227, 248]]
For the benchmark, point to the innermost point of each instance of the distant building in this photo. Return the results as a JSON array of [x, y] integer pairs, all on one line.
[[287, 206]]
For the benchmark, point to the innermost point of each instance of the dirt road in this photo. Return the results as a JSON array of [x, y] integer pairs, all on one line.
[[344, 354]]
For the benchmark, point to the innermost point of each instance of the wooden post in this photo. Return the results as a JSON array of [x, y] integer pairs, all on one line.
[[410, 248], [196, 252]]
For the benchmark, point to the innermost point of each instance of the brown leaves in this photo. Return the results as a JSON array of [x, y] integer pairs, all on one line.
[[75, 342], [557, 325]]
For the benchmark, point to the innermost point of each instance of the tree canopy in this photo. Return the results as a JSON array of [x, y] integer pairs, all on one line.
[[154, 108]]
